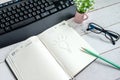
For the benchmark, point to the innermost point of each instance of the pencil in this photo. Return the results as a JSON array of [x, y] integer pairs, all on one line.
[[100, 57]]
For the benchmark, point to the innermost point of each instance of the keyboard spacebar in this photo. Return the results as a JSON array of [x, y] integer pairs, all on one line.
[[23, 23]]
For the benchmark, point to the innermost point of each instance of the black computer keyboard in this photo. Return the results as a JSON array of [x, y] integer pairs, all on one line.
[[19, 13]]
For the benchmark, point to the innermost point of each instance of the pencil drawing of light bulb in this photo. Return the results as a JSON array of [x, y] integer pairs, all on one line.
[[62, 43]]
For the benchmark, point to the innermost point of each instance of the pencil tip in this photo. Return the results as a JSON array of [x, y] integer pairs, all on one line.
[[82, 49]]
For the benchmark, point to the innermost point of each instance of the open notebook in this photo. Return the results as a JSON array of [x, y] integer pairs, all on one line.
[[52, 55]]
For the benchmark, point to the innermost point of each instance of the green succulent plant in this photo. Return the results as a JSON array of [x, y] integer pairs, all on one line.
[[84, 6]]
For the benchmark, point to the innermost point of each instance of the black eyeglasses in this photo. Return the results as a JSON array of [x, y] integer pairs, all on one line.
[[112, 36]]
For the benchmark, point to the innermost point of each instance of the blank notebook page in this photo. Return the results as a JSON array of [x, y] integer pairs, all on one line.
[[34, 62], [65, 43]]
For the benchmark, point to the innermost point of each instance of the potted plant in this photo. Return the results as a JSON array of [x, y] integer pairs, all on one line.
[[82, 7]]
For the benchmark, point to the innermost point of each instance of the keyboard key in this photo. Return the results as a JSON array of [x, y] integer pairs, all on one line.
[[46, 4], [38, 7], [50, 7], [27, 3], [7, 29], [21, 18], [43, 1], [61, 2], [9, 13], [34, 9], [25, 12], [37, 17], [39, 3], [22, 8], [59, 7], [12, 17], [18, 6], [45, 14], [31, 1], [42, 10], [23, 4], [27, 7], [1, 5], [18, 10], [7, 23], [35, 0], [1, 17], [67, 4], [31, 5], [10, 2], [7, 18], [4, 15], [16, 0], [35, 4], [23, 23], [25, 16], [9, 9], [53, 10], [14, 7], [5, 4], [34, 13], [38, 12], [29, 10], [5, 10], [13, 12], [3, 20], [21, 13], [2, 31], [42, 6], [16, 15], [63, 6], [29, 15], [50, 2], [17, 20], [1, 12], [12, 21], [2, 25], [72, 2]]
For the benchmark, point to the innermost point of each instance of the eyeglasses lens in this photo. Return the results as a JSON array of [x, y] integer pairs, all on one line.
[[95, 28]]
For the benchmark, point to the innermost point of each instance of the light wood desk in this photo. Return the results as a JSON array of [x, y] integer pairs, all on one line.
[[106, 14]]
